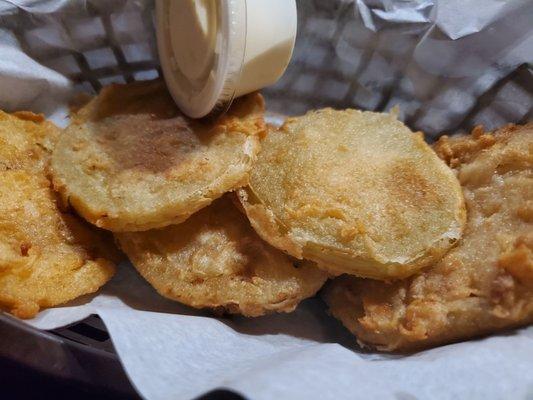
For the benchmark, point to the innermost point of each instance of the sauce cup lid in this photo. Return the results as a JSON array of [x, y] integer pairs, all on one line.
[[213, 51]]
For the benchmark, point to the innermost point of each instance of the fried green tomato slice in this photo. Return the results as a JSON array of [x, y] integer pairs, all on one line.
[[216, 260], [356, 192], [130, 161], [47, 257], [485, 283]]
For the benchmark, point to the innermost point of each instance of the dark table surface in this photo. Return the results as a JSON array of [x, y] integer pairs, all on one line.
[[20, 382]]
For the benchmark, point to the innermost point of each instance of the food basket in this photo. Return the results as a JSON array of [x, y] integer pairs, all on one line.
[[348, 54]]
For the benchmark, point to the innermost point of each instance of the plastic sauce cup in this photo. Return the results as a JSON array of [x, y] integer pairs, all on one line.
[[213, 51]]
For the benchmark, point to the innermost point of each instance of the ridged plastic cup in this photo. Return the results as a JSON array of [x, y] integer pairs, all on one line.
[[213, 51]]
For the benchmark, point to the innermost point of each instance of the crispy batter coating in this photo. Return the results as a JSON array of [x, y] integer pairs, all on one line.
[[482, 285], [216, 260], [26, 141], [130, 162], [356, 192], [47, 256]]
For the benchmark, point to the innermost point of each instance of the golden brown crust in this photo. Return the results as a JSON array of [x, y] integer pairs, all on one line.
[[47, 256], [482, 285], [26, 141], [215, 260], [517, 259], [356, 192], [265, 224], [130, 162]]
